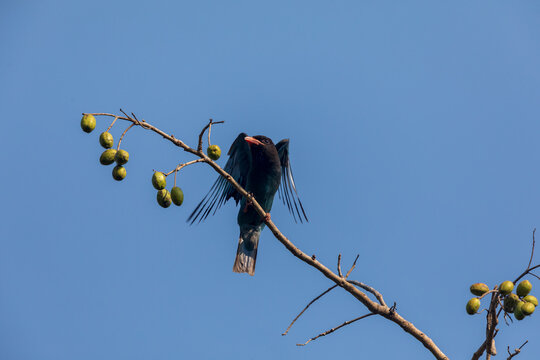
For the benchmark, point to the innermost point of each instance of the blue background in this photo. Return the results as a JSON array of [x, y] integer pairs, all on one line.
[[414, 132]]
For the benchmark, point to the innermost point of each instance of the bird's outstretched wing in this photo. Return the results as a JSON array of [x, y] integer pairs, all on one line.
[[237, 166], [287, 189]]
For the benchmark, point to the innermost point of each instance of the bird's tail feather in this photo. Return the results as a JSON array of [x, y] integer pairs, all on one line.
[[246, 254]]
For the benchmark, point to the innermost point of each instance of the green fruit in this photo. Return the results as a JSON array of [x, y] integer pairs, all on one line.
[[518, 311], [177, 196], [479, 289], [107, 157], [472, 306], [106, 139], [531, 299], [510, 303], [527, 308], [524, 288], [121, 157], [88, 123], [506, 287], [119, 173], [214, 152], [164, 198], [158, 180]]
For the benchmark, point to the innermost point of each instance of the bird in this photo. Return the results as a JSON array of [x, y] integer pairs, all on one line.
[[262, 169]]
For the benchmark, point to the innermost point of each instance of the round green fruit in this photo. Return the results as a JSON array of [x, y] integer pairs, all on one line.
[[214, 152], [177, 196], [121, 157], [524, 288], [164, 198], [479, 289], [107, 157], [510, 303], [106, 139], [506, 287], [472, 306], [527, 308], [119, 173], [531, 299], [88, 123], [159, 180], [518, 311]]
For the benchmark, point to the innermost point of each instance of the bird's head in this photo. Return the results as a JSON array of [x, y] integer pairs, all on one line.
[[262, 148], [258, 140]]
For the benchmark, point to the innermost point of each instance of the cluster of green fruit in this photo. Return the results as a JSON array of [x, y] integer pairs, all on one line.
[[520, 303], [121, 157], [164, 197], [109, 156]]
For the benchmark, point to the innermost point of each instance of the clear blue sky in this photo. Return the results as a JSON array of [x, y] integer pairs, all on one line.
[[414, 132]]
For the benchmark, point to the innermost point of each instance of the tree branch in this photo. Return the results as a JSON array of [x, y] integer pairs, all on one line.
[[308, 305], [529, 268], [493, 315], [336, 328], [374, 307], [371, 290], [324, 293], [352, 267], [492, 321], [209, 127], [516, 351], [180, 166], [482, 348]]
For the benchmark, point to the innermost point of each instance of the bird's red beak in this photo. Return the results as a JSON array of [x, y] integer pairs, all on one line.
[[252, 140]]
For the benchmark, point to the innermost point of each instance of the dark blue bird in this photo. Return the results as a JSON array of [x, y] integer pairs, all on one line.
[[263, 169]]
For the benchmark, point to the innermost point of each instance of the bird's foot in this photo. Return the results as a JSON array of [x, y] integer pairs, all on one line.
[[248, 202], [267, 217]]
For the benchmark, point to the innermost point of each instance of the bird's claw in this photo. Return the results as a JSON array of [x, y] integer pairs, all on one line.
[[267, 217], [248, 202]]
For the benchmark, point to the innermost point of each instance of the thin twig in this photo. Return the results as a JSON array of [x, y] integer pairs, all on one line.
[[529, 269], [180, 166], [505, 314], [370, 289], [210, 123], [516, 351], [110, 126], [506, 317], [352, 267], [488, 292], [209, 131], [123, 112], [532, 251], [308, 305], [150, 127], [339, 266], [121, 137], [536, 276], [526, 272], [336, 328]]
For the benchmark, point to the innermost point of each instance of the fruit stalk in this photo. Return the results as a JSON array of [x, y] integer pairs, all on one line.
[[180, 166], [122, 136]]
